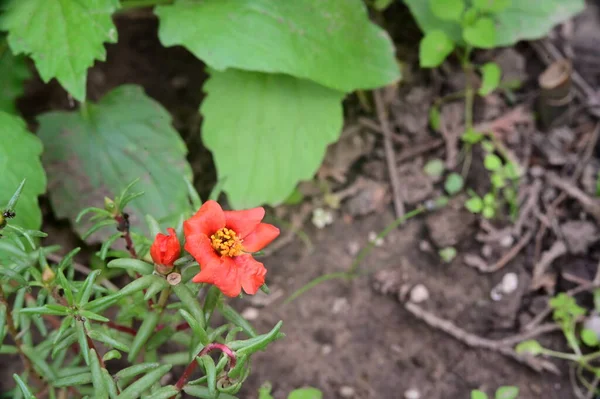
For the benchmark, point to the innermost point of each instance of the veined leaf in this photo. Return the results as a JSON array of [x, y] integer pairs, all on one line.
[[255, 124], [309, 39], [104, 147], [19, 153], [64, 37]]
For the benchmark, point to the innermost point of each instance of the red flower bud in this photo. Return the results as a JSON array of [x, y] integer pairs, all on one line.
[[165, 249]]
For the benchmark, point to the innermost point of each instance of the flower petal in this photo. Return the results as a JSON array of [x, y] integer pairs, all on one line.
[[251, 273], [200, 247], [227, 277], [208, 272], [260, 237], [207, 220], [165, 249], [243, 222]]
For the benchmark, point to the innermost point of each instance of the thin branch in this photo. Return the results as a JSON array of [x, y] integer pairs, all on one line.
[[389, 153]]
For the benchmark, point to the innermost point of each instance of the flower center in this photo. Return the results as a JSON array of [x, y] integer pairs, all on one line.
[[226, 242]]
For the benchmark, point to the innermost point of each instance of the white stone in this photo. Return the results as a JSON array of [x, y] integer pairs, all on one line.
[[419, 294], [340, 305], [510, 282], [412, 394], [347, 392], [326, 349], [250, 313], [378, 242]]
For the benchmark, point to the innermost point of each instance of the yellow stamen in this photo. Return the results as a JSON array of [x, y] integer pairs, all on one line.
[[226, 242]]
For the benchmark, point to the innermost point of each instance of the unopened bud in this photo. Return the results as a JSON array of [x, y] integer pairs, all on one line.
[[109, 204], [48, 275]]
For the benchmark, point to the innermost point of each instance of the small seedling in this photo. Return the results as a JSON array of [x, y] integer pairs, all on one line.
[[504, 392], [447, 254]]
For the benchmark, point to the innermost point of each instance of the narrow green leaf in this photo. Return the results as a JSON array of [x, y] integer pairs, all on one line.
[[93, 316], [66, 286], [82, 340], [2, 322], [136, 265], [234, 317], [195, 200], [209, 368], [153, 225], [97, 226], [10, 274], [86, 289], [97, 211], [258, 343], [97, 335], [23, 387], [38, 361], [157, 286], [102, 303], [73, 380], [8, 350], [164, 393], [109, 383], [240, 365], [112, 354], [128, 198], [107, 244], [100, 391], [197, 329], [159, 338], [210, 302], [65, 343], [145, 331], [132, 371], [190, 302], [198, 391], [12, 203], [62, 311], [136, 389]]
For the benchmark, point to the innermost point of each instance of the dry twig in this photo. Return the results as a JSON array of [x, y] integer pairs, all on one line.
[[478, 263], [389, 153], [558, 249], [475, 341]]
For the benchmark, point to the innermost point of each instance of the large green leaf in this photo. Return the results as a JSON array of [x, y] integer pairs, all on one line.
[[96, 152], [267, 132], [522, 20], [329, 41], [13, 73], [20, 152], [63, 37]]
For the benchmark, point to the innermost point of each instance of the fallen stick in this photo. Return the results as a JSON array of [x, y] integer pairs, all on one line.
[[474, 341]]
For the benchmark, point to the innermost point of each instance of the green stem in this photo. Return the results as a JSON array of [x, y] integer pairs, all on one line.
[[561, 355], [128, 5]]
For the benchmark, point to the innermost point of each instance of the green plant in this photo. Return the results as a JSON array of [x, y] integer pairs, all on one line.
[[504, 180], [159, 306], [569, 316], [265, 99], [504, 392], [264, 392]]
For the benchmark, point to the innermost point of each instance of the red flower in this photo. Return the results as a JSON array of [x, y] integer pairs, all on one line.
[[221, 241], [165, 249]]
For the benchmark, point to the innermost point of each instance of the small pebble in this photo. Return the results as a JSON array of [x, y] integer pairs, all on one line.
[[339, 305], [326, 350], [347, 392], [419, 294], [425, 246], [495, 294], [250, 314], [593, 323], [507, 241], [412, 394], [510, 282]]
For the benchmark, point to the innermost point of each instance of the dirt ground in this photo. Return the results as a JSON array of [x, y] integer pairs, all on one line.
[[356, 339]]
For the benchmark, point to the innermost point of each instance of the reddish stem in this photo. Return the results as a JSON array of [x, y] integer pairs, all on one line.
[[121, 328], [192, 366], [182, 326]]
